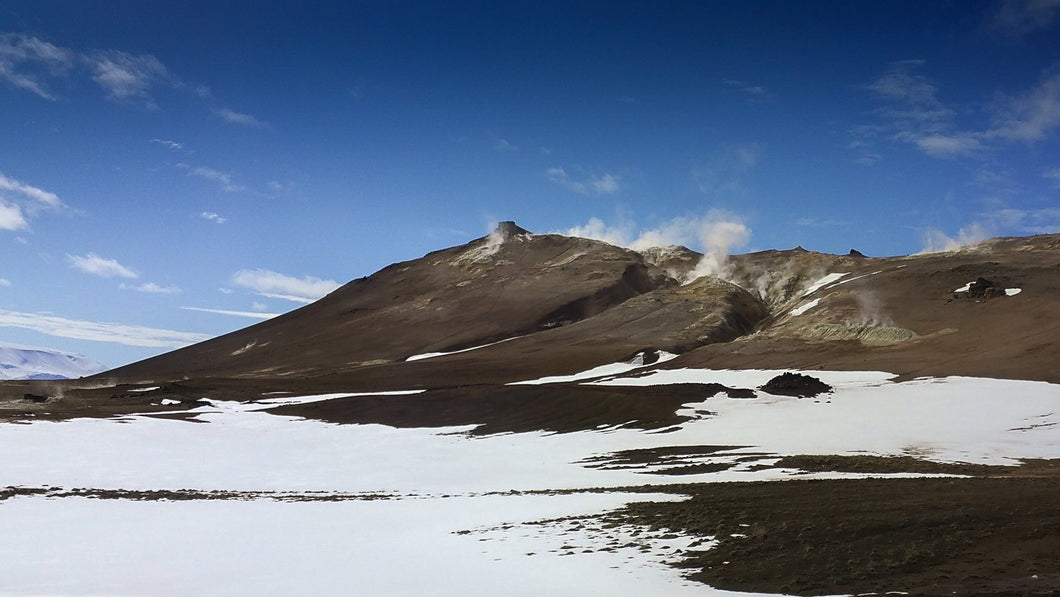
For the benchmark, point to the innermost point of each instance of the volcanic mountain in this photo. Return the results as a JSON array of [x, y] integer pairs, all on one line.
[[549, 304]]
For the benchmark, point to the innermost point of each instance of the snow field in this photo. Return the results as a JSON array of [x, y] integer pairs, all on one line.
[[452, 526]]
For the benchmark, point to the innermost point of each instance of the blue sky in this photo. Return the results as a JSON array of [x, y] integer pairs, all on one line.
[[170, 171]]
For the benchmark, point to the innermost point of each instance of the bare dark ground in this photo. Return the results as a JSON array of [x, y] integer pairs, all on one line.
[[928, 536]]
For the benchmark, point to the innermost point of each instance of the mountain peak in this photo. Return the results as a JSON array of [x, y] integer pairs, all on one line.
[[507, 229]]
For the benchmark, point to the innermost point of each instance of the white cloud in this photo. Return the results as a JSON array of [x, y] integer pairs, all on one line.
[[1053, 175], [606, 184], [152, 288], [1029, 117], [939, 145], [250, 314], [275, 285], [233, 117], [168, 144], [209, 215], [914, 114], [99, 266], [127, 78], [11, 217], [936, 240], [222, 178], [5, 282], [27, 62], [129, 335], [591, 184], [40, 196], [1020, 17]]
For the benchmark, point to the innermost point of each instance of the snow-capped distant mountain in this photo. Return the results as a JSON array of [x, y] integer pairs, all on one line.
[[27, 362]]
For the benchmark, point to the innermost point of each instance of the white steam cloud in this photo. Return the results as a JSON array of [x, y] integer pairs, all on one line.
[[936, 241], [715, 233]]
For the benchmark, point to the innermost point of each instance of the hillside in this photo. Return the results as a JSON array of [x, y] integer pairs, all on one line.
[[563, 304]]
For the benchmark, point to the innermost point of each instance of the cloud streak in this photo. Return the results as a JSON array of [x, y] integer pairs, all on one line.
[[233, 117], [99, 266], [224, 179], [40, 196], [275, 285], [250, 314], [27, 62], [152, 288], [129, 335], [127, 78], [588, 184], [913, 114]]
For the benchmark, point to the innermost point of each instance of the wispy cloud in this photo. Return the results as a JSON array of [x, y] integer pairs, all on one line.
[[222, 178], [275, 285], [27, 63], [914, 114], [126, 77], [754, 93], [1053, 175], [503, 145], [240, 118], [40, 196], [726, 172], [100, 266], [211, 216], [4, 282], [129, 335], [168, 144], [152, 288], [585, 183], [1021, 17], [1032, 115], [250, 314]]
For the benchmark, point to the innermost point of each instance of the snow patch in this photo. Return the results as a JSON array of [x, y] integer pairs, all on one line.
[[1013, 291], [610, 369], [806, 307], [431, 355], [828, 279]]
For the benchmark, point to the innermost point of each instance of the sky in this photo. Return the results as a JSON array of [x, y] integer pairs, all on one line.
[[171, 171]]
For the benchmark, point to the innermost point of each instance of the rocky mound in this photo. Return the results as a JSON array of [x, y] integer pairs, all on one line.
[[796, 384]]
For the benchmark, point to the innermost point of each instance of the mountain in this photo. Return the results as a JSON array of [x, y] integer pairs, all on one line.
[[563, 304], [24, 362]]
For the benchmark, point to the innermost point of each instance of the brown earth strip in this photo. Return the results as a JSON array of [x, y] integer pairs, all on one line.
[[501, 409], [934, 536]]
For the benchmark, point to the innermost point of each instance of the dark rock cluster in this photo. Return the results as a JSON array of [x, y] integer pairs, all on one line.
[[796, 384]]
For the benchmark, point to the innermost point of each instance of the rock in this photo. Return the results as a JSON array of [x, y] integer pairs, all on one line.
[[34, 398], [796, 384], [856, 253], [508, 229], [981, 289]]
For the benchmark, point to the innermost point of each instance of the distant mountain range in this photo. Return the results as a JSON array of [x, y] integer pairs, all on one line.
[[25, 362]]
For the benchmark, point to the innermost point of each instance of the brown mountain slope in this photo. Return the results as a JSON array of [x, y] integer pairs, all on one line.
[[902, 314], [566, 304]]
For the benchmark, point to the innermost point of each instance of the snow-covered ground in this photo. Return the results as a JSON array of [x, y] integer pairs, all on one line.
[[449, 522]]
